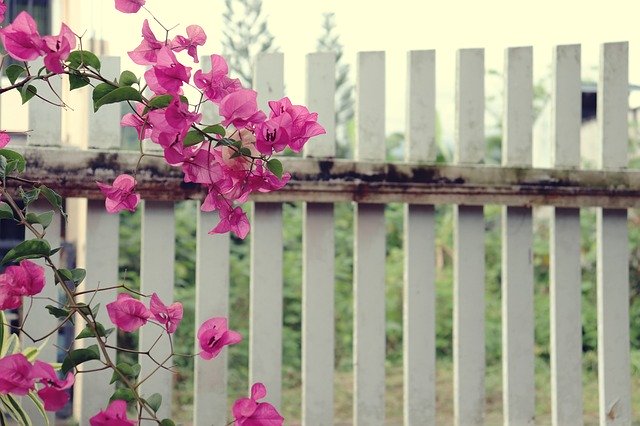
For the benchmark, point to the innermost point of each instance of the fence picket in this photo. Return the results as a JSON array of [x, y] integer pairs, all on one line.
[[517, 247], [318, 252], [157, 257], [614, 374], [419, 251], [212, 300], [265, 328], [468, 241], [369, 250], [95, 234], [565, 274]]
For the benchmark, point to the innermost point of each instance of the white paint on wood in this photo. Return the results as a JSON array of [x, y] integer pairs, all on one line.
[[265, 325], [39, 322], [97, 252], [157, 257], [419, 316], [318, 250], [369, 315], [212, 300], [614, 374], [468, 240], [518, 378], [318, 327], [369, 250], [469, 118], [419, 251], [102, 132], [320, 95], [421, 106], [45, 120], [370, 104], [565, 285]]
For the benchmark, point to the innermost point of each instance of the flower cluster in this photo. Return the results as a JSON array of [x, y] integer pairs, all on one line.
[[25, 279], [18, 376]]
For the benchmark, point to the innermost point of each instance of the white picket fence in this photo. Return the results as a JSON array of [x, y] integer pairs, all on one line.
[[96, 235]]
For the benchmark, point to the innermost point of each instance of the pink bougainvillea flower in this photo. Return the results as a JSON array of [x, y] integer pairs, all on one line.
[[9, 298], [129, 6], [169, 316], [54, 392], [16, 375], [168, 75], [216, 84], [21, 39], [195, 37], [272, 135], [240, 108], [120, 195], [4, 139], [127, 313], [250, 412], [27, 278], [3, 10], [138, 121], [114, 415], [57, 49], [233, 220], [147, 52], [304, 124], [213, 335]]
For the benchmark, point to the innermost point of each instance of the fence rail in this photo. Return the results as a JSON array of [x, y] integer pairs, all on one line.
[[320, 180]]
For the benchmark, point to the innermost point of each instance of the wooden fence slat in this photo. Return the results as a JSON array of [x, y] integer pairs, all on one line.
[[157, 257], [212, 300], [45, 119], [614, 373], [369, 250], [468, 242], [419, 251], [318, 251], [265, 328], [565, 285], [517, 246]]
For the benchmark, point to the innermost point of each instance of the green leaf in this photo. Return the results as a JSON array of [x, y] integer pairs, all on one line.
[[123, 394], [193, 137], [43, 219], [154, 402], [127, 78], [57, 312], [88, 332], [27, 92], [167, 422], [77, 81], [6, 212], [53, 198], [217, 129], [14, 157], [4, 332], [120, 94], [131, 372], [162, 101], [30, 196], [39, 406], [77, 276], [14, 71], [16, 410], [3, 168], [79, 356], [84, 58], [275, 166], [30, 249], [102, 90]]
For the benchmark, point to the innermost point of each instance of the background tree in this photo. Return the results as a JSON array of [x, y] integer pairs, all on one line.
[[245, 35], [329, 41]]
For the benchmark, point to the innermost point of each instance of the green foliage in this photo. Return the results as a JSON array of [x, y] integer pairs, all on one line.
[[79, 356], [30, 249], [14, 71]]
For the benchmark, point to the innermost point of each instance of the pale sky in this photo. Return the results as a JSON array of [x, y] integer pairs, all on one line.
[[401, 25]]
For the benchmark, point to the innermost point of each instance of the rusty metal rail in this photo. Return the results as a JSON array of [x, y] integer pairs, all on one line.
[[73, 173]]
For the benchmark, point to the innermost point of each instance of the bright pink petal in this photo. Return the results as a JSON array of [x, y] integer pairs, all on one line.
[[129, 6], [4, 139], [127, 313]]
